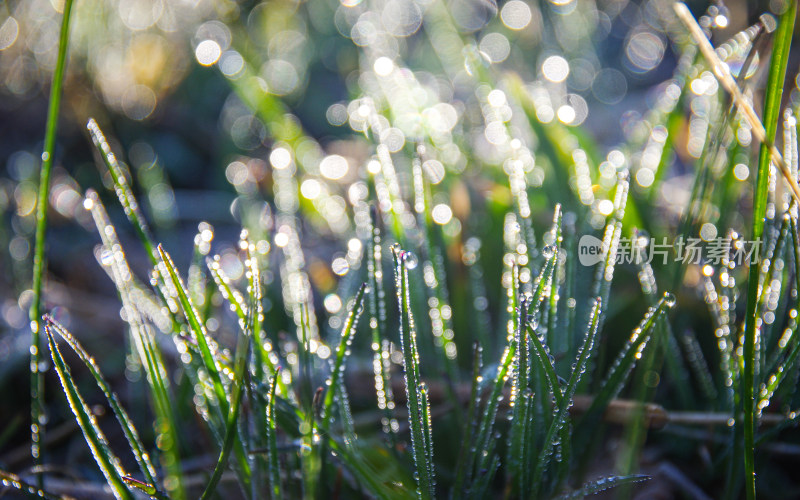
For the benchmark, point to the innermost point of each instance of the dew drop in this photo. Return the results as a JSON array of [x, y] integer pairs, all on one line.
[[410, 259], [106, 257]]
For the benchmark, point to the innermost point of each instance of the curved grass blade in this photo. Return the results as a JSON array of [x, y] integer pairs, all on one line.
[[138, 449], [417, 400], [602, 484], [348, 331], [98, 444], [562, 413], [38, 416], [10, 480], [772, 103]]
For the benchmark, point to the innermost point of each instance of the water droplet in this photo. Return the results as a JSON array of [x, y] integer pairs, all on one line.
[[106, 257], [548, 251], [410, 259], [669, 299]]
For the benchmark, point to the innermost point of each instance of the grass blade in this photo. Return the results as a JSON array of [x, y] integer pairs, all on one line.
[[123, 189], [148, 350], [108, 463], [209, 358], [562, 412], [38, 416], [138, 449], [470, 423], [483, 443], [772, 103], [417, 400], [240, 364], [522, 396], [348, 331], [198, 330], [9, 480], [271, 438], [602, 484], [377, 322], [622, 367]]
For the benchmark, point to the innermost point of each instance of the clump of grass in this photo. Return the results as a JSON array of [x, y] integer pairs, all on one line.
[[504, 276]]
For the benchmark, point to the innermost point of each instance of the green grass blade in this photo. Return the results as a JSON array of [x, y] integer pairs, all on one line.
[[522, 396], [545, 362], [124, 191], [209, 358], [131, 434], [377, 322], [147, 348], [602, 484], [236, 300], [562, 411], [622, 367], [38, 416], [198, 330], [98, 444], [147, 489], [482, 456], [772, 103], [348, 331], [240, 365], [271, 438], [9, 480], [416, 399], [470, 424]]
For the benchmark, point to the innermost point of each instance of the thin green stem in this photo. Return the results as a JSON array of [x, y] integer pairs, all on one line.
[[772, 103], [37, 376]]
